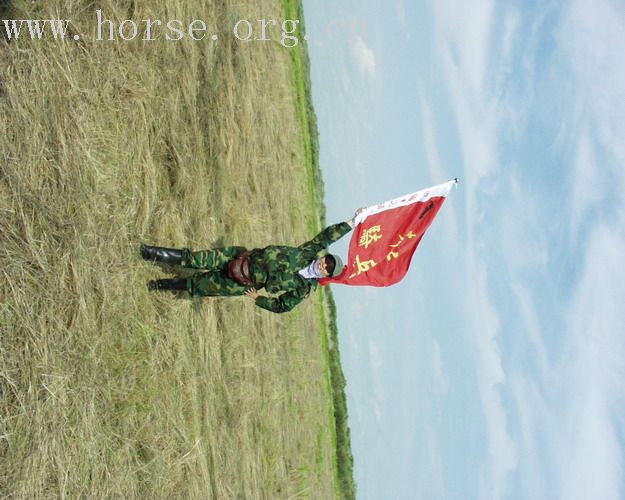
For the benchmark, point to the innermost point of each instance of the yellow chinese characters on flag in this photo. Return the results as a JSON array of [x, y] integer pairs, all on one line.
[[386, 236]]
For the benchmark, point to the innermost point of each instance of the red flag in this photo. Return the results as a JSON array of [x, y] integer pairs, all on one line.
[[386, 236]]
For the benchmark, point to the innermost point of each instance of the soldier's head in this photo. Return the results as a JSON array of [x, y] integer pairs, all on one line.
[[330, 265]]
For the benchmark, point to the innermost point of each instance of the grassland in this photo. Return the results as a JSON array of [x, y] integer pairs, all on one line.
[[107, 390]]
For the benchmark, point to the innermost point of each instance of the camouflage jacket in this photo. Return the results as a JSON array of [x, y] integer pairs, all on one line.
[[276, 269]]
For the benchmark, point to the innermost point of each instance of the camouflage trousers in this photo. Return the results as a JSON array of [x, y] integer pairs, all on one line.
[[215, 281]]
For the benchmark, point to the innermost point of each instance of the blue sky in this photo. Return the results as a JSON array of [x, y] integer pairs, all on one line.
[[496, 369]]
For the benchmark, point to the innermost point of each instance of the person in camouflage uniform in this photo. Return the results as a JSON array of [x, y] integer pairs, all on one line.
[[288, 272]]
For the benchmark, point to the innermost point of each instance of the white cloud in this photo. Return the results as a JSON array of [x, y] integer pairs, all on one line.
[[364, 57], [594, 373], [374, 355], [572, 424], [402, 19], [592, 463], [477, 124], [484, 325], [592, 41], [522, 239], [536, 429], [435, 479], [511, 28], [437, 366], [569, 409], [587, 187], [465, 30], [435, 167], [377, 389], [400, 9], [464, 34], [531, 323], [433, 160]]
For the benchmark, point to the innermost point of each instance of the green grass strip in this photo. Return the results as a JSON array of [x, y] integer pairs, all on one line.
[[337, 411]]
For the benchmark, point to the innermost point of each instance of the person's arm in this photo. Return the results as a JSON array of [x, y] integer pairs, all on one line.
[[281, 304], [326, 237], [329, 235], [352, 221]]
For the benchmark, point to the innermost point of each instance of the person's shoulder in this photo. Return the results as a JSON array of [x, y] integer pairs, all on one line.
[[305, 282], [309, 286], [311, 283]]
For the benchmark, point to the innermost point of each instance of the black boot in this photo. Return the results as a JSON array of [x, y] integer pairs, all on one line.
[[175, 284], [171, 256]]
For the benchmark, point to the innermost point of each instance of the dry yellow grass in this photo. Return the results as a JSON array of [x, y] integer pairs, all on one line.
[[108, 390]]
